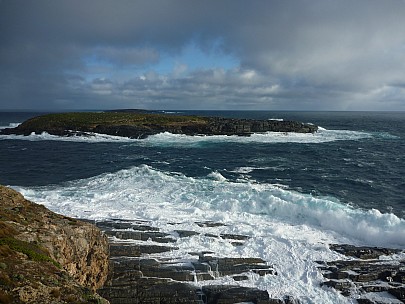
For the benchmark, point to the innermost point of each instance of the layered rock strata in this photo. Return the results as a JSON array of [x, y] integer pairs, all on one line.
[[148, 268], [46, 257], [367, 276], [145, 268]]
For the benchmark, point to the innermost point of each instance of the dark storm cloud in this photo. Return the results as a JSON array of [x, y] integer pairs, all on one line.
[[317, 54]]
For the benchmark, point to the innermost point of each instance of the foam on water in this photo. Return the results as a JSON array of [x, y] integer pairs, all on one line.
[[321, 136], [217, 176], [246, 170], [169, 139], [290, 229], [89, 137], [119, 195], [11, 125]]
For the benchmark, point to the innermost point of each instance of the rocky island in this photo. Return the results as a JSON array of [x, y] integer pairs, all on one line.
[[141, 125]]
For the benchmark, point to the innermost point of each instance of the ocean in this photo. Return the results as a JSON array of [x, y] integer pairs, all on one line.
[[293, 194]]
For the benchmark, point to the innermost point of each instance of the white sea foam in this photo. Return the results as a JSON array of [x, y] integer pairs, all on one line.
[[217, 176], [321, 136], [246, 170], [289, 229], [169, 139], [89, 137], [120, 195], [11, 125]]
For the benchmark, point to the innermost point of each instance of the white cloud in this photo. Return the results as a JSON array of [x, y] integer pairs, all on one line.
[[179, 69], [102, 86]]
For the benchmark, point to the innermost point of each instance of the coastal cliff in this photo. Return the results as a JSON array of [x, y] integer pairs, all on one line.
[[142, 125], [46, 257]]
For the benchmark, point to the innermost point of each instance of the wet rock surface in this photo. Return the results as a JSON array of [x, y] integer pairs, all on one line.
[[146, 269], [367, 276]]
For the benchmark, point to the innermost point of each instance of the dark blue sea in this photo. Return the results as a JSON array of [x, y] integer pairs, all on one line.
[[292, 193]]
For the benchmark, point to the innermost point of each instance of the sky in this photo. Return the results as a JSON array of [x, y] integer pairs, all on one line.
[[338, 55]]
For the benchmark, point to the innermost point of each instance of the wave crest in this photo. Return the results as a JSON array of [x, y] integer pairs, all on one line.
[[143, 192]]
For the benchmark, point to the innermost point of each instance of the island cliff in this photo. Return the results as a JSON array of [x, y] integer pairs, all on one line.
[[46, 257], [141, 125]]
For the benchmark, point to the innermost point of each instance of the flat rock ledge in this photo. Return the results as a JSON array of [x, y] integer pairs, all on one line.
[[146, 269], [46, 257], [366, 276]]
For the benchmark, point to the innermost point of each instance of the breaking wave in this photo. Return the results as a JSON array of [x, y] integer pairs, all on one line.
[[169, 139], [11, 125], [146, 193]]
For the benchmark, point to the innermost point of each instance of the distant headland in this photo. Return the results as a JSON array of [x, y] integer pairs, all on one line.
[[141, 124]]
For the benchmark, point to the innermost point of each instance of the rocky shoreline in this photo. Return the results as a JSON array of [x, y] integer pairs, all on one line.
[[367, 274], [50, 258], [141, 125], [146, 269], [141, 272]]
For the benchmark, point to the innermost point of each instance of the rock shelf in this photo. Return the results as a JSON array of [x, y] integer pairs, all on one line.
[[142, 273], [146, 268], [366, 276]]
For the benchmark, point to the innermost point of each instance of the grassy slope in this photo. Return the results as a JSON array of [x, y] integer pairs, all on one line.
[[92, 119]]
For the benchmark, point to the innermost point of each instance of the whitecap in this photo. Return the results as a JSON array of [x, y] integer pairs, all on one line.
[[169, 139], [11, 125], [217, 176], [121, 195], [87, 137], [244, 170], [322, 136], [289, 229]]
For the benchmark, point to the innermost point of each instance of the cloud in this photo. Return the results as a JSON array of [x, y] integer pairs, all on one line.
[[318, 54], [124, 56]]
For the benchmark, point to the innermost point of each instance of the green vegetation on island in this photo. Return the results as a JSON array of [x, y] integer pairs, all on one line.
[[93, 119], [141, 125]]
